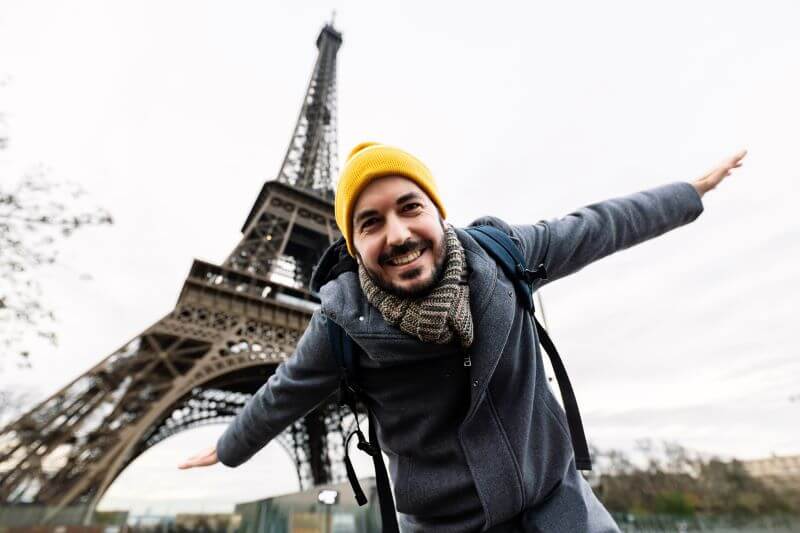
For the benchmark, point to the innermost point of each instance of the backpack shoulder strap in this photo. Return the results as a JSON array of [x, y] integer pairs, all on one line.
[[499, 245], [506, 253], [345, 352], [583, 460], [342, 346]]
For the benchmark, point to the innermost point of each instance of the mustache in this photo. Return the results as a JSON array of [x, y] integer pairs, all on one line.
[[403, 249]]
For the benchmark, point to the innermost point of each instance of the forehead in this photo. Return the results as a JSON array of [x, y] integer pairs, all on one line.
[[383, 192]]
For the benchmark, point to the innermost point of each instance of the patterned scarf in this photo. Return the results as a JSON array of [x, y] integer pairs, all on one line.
[[437, 316]]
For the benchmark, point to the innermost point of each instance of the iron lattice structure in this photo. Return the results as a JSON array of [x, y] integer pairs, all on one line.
[[231, 327]]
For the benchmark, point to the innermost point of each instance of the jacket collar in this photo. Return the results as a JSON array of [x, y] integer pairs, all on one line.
[[335, 261], [492, 302]]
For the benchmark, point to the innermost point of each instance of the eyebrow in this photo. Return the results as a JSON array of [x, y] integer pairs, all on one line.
[[400, 200]]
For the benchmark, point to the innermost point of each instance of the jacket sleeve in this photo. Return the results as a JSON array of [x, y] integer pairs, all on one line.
[[567, 244], [298, 385]]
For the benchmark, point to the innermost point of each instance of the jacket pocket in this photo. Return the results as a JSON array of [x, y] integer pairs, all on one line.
[[557, 412], [548, 496], [401, 499], [434, 488], [554, 452]]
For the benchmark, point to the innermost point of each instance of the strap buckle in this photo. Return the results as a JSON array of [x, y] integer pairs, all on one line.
[[366, 447], [348, 394], [531, 275]]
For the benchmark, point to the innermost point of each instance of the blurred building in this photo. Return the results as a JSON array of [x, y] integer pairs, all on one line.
[[208, 523], [328, 508], [31, 518]]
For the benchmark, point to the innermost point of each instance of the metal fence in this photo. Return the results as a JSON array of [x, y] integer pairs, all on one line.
[[630, 523]]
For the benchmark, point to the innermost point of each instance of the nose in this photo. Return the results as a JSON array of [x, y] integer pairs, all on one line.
[[397, 232]]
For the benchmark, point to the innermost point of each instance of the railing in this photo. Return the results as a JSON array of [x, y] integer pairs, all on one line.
[[630, 523]]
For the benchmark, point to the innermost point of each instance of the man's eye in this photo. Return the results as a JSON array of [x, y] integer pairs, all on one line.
[[367, 223], [411, 206]]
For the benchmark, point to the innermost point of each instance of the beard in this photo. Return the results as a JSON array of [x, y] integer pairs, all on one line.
[[421, 288]]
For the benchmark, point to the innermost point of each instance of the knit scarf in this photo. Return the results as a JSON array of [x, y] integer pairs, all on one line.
[[439, 315]]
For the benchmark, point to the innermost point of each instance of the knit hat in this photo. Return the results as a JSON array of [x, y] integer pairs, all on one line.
[[371, 160]]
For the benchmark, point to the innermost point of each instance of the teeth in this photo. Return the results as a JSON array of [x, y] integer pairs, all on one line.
[[402, 260]]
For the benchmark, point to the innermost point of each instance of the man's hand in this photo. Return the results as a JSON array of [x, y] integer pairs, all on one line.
[[713, 177], [207, 458]]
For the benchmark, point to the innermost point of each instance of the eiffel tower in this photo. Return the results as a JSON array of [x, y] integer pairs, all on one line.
[[198, 365]]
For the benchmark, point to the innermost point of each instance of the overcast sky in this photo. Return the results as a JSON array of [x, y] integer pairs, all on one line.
[[171, 114]]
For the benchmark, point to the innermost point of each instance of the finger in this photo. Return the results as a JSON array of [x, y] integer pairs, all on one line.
[[733, 159], [197, 460], [193, 464], [189, 463], [207, 454]]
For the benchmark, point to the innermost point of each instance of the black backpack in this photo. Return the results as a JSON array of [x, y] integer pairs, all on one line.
[[508, 256]]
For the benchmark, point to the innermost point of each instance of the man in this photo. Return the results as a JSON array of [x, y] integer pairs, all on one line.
[[451, 362]]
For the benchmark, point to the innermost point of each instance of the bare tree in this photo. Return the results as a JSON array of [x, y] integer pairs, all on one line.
[[35, 213], [668, 478]]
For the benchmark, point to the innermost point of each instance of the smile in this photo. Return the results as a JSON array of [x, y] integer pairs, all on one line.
[[405, 259]]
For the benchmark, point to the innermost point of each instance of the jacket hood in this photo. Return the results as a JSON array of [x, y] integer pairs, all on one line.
[[334, 262]]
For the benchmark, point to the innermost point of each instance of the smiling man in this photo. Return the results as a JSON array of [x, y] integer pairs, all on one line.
[[450, 364]]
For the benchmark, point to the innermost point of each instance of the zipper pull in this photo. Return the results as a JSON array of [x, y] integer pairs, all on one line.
[[467, 361]]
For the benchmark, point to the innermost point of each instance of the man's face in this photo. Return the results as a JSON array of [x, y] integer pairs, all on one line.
[[398, 236]]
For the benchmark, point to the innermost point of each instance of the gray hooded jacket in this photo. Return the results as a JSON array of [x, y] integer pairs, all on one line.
[[469, 447]]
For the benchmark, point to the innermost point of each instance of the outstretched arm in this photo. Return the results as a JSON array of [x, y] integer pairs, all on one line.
[[568, 244], [299, 384]]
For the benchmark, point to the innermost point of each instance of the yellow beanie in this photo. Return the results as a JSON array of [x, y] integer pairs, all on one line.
[[371, 160]]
